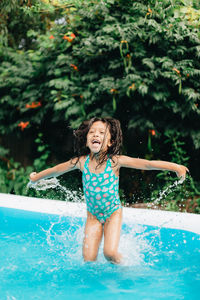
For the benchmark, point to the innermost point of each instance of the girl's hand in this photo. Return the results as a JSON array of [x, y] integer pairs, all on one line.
[[181, 172], [33, 176]]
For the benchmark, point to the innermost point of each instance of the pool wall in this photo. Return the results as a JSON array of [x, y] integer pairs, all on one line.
[[168, 219]]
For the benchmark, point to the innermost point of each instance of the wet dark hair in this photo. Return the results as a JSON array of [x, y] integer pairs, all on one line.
[[80, 135]]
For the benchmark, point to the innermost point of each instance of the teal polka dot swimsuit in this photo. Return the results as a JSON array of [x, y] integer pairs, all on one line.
[[101, 191]]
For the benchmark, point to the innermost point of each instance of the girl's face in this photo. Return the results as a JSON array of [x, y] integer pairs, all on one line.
[[98, 137]]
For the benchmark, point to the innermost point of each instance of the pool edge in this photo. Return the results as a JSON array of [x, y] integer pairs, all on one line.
[[168, 219]]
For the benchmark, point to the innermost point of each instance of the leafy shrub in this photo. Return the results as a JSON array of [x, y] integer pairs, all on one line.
[[13, 177], [137, 61], [174, 196]]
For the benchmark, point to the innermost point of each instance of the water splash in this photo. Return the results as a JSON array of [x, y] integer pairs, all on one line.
[[54, 183], [64, 239], [135, 245], [166, 191], [45, 184], [67, 242]]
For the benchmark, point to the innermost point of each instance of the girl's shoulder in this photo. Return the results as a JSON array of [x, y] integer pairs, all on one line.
[[115, 161], [81, 162]]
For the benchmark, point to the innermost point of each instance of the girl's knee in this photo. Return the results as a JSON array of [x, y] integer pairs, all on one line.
[[88, 258], [109, 254], [112, 256]]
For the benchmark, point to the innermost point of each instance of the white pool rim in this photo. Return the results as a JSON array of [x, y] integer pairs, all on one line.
[[167, 219]]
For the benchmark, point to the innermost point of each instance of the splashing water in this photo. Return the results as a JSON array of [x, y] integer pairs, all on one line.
[[166, 191], [44, 184], [54, 183], [66, 242], [132, 244]]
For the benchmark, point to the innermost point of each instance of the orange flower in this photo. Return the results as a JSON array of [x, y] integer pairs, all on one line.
[[132, 86], [69, 39], [176, 70], [23, 125], [74, 67], [149, 12], [188, 75], [51, 37], [152, 131], [113, 91], [124, 41], [33, 105]]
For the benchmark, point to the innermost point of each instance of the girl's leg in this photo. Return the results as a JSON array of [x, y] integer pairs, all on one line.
[[92, 238], [112, 230]]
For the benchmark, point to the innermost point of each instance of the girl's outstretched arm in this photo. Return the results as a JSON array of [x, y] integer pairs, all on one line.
[[56, 171], [143, 164]]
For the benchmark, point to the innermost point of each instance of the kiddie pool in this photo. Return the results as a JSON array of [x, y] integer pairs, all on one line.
[[41, 245]]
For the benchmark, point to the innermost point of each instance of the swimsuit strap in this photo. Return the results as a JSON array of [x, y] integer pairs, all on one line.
[[86, 165]]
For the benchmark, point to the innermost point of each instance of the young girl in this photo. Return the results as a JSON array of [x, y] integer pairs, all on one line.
[[97, 143]]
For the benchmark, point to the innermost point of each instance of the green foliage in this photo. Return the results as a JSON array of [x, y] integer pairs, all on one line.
[[40, 163], [172, 196], [15, 21], [126, 59], [13, 177]]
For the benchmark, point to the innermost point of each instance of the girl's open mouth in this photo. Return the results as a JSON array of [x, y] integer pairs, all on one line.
[[96, 142]]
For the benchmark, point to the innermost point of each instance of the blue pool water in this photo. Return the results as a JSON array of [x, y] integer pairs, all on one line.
[[41, 259]]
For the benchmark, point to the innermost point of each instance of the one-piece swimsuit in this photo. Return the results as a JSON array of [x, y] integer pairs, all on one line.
[[101, 191]]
